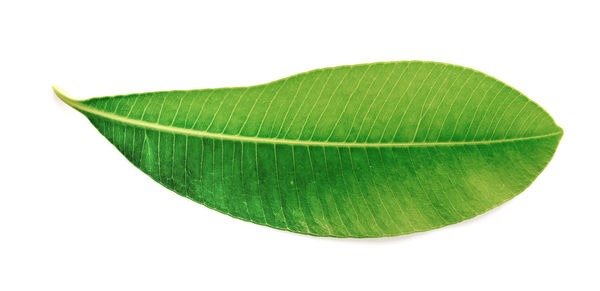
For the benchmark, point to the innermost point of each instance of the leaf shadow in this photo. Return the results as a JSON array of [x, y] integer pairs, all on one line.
[[417, 235]]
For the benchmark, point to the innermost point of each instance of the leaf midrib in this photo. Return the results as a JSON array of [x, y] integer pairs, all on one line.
[[255, 139]]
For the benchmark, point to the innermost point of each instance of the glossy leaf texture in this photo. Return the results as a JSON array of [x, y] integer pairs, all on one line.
[[366, 150]]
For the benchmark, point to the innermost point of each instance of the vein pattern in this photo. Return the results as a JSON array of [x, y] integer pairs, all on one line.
[[367, 150]]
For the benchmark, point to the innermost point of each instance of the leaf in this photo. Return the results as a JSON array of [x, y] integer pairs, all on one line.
[[367, 150]]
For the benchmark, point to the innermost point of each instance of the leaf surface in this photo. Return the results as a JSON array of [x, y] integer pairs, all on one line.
[[366, 150]]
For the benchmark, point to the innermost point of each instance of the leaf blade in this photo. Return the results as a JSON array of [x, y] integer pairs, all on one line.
[[353, 151]]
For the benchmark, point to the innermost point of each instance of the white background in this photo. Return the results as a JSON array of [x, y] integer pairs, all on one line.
[[75, 215]]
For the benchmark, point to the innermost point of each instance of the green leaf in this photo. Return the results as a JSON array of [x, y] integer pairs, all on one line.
[[367, 150]]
